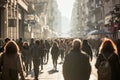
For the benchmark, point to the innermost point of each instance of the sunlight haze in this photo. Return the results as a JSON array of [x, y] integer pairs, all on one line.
[[65, 7]]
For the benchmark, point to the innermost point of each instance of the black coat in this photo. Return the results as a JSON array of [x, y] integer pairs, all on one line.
[[76, 66], [55, 52], [87, 48], [114, 63]]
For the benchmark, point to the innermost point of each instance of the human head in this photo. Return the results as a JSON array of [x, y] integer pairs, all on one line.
[[6, 40], [25, 44], [20, 39], [31, 40], [85, 41], [107, 45], [55, 44], [11, 48], [37, 42], [77, 44]]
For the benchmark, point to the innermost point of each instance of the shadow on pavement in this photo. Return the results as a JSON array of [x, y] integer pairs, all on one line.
[[52, 71]]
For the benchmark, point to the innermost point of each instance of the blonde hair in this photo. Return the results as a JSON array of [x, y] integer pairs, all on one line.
[[77, 43]]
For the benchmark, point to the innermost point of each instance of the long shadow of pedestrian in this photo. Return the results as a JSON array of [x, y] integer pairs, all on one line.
[[32, 73], [53, 71]]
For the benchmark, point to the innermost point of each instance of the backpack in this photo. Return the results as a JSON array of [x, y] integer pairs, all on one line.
[[104, 69]]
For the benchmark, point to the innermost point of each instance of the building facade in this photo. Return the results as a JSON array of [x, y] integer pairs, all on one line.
[[12, 18]]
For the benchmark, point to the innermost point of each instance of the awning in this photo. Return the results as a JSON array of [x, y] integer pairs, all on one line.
[[97, 32]]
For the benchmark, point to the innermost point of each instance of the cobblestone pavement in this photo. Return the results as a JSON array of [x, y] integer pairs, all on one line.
[[49, 74]]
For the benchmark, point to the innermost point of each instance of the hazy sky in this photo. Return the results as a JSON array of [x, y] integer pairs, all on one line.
[[65, 6]]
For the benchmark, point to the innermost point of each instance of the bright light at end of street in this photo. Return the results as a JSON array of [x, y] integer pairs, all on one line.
[[65, 7]]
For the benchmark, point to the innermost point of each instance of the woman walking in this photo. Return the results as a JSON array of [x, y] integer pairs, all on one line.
[[108, 53], [55, 54], [11, 62]]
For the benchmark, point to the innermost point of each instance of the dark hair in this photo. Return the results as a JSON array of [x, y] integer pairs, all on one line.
[[37, 42], [11, 48], [85, 42], [32, 40], [108, 46], [6, 40]]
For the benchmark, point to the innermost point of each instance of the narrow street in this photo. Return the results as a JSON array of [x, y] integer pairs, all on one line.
[[49, 74]]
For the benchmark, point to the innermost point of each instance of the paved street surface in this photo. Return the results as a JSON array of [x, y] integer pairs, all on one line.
[[49, 74]]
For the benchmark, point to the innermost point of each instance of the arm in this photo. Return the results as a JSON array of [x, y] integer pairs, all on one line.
[[98, 61], [20, 67]]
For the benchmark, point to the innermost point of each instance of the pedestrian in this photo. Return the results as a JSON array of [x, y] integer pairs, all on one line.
[[42, 52], [47, 48], [76, 65], [20, 44], [55, 54], [36, 59], [32, 44], [11, 62], [87, 48], [5, 42], [27, 56], [108, 55], [62, 50]]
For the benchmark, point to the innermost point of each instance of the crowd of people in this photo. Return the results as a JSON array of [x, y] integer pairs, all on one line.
[[20, 57]]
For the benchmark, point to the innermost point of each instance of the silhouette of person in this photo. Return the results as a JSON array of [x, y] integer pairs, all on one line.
[[55, 54], [11, 62], [108, 50], [87, 48], [76, 65]]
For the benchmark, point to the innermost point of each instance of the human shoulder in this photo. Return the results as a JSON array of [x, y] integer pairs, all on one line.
[[1, 54], [84, 54]]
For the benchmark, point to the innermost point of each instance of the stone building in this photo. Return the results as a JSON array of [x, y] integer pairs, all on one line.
[[12, 18]]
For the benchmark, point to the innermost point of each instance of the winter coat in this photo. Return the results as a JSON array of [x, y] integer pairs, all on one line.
[[114, 64], [55, 52], [76, 66], [11, 66]]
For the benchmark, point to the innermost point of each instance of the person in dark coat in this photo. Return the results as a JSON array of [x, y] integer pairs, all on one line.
[[76, 65], [47, 48], [36, 58], [42, 51], [20, 44], [55, 54], [87, 48], [11, 62], [26, 56], [108, 48], [32, 44]]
